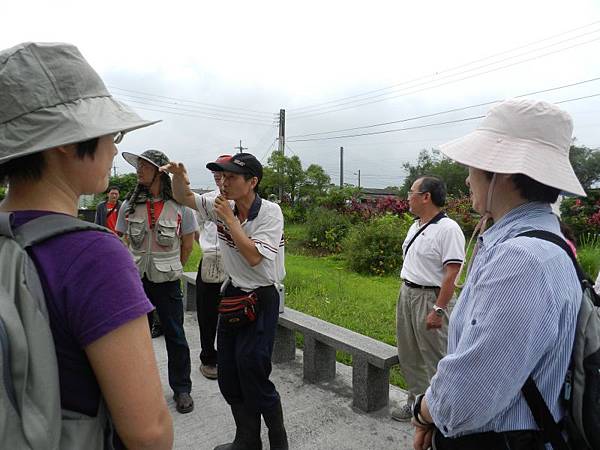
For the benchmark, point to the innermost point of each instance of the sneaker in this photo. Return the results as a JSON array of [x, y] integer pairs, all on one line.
[[402, 414], [209, 371], [183, 402]]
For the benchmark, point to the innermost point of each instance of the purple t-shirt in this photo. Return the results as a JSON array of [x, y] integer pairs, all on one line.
[[92, 287]]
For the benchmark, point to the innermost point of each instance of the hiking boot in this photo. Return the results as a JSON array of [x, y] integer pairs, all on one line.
[[402, 414], [277, 434], [209, 371], [156, 330], [183, 402], [247, 433]]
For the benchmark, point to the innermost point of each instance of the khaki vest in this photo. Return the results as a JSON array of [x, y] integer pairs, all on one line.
[[156, 252]]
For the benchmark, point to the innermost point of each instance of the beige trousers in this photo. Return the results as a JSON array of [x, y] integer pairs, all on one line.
[[419, 349]]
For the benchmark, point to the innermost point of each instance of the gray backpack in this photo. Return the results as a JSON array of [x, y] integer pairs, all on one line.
[[30, 409], [581, 390]]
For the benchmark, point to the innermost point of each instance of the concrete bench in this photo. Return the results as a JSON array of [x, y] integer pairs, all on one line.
[[188, 280], [371, 359]]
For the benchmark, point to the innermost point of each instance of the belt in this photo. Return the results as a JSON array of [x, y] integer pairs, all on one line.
[[410, 284]]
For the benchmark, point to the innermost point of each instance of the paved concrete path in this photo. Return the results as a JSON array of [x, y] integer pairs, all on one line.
[[318, 416]]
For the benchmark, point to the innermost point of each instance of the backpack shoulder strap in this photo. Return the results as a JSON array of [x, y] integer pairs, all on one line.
[[5, 227], [45, 227], [539, 409], [439, 216], [557, 240]]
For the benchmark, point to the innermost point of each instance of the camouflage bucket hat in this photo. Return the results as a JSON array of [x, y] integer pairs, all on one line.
[[154, 157], [51, 96]]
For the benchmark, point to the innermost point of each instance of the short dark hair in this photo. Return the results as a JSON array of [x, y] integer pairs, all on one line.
[[248, 176], [113, 188], [532, 190], [31, 167], [436, 188]]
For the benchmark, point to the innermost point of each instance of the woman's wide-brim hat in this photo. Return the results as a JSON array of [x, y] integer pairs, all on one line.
[[50, 96], [529, 137]]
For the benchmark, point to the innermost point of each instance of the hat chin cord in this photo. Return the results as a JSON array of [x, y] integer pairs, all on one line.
[[478, 231]]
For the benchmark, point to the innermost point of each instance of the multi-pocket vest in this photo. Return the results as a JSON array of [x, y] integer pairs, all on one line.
[[156, 251]]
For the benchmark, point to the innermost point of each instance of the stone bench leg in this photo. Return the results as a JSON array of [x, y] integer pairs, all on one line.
[[189, 296], [319, 360], [284, 347], [370, 385]]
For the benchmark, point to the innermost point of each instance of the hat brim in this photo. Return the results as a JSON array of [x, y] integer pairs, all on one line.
[[132, 159], [494, 152], [66, 123], [228, 167]]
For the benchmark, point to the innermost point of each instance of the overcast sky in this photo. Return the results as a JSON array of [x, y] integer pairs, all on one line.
[[218, 72]]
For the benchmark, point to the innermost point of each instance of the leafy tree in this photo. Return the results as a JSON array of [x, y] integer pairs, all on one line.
[[126, 183], [432, 162], [296, 182], [586, 164], [316, 182]]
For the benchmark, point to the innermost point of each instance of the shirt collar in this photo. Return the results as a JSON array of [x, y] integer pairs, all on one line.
[[254, 208], [515, 221]]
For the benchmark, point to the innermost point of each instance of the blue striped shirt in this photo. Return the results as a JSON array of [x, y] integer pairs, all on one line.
[[515, 316]]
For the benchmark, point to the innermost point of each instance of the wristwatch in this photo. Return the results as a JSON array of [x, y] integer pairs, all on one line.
[[416, 411], [439, 311]]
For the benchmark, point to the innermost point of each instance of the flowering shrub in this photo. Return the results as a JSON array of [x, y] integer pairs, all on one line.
[[582, 215], [375, 247], [461, 210], [368, 208]]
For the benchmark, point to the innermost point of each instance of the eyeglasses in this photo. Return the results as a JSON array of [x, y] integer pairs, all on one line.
[[118, 137], [416, 192]]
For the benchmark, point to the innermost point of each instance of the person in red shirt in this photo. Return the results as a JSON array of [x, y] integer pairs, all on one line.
[[108, 211]]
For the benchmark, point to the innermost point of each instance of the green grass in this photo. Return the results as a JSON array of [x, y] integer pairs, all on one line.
[[193, 260]]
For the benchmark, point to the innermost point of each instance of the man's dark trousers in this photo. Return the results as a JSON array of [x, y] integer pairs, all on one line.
[[244, 355], [168, 300], [207, 302]]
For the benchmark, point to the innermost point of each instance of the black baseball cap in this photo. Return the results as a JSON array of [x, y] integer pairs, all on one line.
[[239, 163]]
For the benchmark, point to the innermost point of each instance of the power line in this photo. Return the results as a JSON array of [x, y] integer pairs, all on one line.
[[424, 116], [423, 126], [202, 116], [446, 70], [212, 115], [194, 101], [403, 94], [202, 109]]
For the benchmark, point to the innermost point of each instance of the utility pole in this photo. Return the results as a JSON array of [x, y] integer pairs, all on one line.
[[359, 178], [114, 169], [341, 166], [281, 150], [240, 148]]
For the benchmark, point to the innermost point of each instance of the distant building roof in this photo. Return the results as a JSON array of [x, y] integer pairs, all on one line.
[[200, 191], [378, 192]]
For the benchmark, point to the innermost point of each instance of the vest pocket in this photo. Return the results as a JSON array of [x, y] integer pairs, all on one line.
[[167, 268], [166, 232], [136, 230]]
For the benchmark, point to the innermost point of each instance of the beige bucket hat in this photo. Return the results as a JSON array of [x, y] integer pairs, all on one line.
[[524, 136], [51, 96]]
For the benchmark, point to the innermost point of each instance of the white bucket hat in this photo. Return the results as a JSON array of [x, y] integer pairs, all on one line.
[[525, 136], [51, 96]]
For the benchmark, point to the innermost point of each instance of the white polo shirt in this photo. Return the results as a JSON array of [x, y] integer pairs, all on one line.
[[440, 243], [265, 227], [209, 240]]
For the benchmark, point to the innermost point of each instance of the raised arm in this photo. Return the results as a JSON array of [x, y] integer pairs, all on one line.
[[181, 184]]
